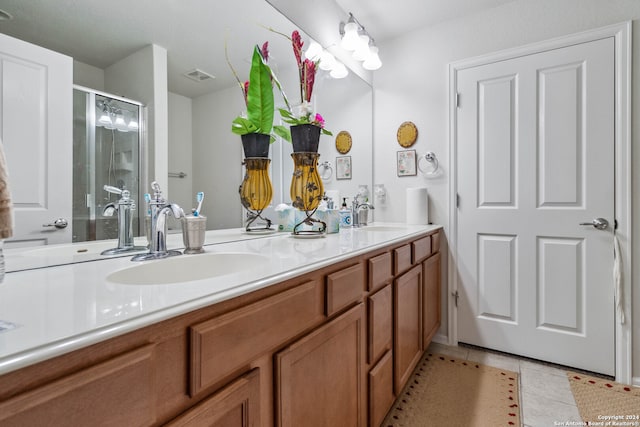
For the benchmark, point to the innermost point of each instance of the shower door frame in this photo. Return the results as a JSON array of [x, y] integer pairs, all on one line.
[[143, 168]]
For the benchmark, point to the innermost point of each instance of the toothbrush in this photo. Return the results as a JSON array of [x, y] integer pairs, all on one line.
[[199, 199]]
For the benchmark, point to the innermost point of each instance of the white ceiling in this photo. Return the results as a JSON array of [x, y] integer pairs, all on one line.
[[386, 19], [101, 32]]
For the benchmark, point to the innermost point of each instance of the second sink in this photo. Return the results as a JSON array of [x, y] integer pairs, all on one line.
[[187, 268]]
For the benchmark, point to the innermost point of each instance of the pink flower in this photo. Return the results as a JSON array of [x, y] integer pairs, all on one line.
[[309, 78], [319, 120], [265, 51], [245, 91], [297, 46]]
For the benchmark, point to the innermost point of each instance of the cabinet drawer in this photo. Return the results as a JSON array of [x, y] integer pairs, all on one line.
[[344, 287], [401, 259], [421, 249], [381, 395], [380, 271], [120, 391], [435, 242], [380, 323], [224, 344]]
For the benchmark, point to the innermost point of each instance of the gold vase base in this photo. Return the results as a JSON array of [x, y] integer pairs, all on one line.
[[310, 221], [257, 228]]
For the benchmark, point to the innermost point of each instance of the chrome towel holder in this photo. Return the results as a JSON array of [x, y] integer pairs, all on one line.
[[430, 158]]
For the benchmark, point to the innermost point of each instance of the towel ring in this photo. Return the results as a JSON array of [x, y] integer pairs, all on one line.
[[326, 166], [430, 157]]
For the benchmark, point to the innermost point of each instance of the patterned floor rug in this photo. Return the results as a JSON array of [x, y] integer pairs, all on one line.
[[445, 391], [600, 400]]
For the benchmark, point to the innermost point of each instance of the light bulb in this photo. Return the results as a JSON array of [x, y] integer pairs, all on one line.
[[362, 51], [350, 38], [327, 61], [120, 124], [314, 51], [373, 61], [339, 71], [104, 119], [133, 124]]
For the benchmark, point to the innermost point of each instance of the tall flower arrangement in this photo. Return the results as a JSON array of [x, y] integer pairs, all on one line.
[[302, 113]]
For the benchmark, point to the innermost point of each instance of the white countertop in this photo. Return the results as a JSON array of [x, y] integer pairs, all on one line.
[[62, 308]]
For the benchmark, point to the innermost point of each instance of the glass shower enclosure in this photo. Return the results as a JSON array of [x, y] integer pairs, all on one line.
[[107, 150]]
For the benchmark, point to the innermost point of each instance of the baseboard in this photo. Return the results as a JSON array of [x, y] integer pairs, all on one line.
[[635, 381], [440, 339]]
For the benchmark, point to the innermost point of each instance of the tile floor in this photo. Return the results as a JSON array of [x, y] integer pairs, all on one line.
[[545, 396]]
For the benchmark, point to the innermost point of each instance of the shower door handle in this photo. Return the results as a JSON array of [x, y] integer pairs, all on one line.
[[58, 223]]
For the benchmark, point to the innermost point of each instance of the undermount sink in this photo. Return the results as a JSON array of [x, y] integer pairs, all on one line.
[[187, 268]]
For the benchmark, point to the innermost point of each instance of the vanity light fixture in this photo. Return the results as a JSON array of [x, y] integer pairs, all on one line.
[[328, 62], [355, 38]]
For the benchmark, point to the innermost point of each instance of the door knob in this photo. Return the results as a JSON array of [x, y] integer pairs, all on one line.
[[58, 223], [599, 223]]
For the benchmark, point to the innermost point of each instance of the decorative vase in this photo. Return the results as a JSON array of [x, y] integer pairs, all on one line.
[[305, 138], [256, 144], [256, 190], [306, 185]]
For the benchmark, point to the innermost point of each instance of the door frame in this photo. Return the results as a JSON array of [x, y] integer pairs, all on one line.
[[622, 166]]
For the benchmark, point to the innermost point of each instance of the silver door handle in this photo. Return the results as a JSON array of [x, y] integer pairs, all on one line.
[[58, 223], [599, 223]]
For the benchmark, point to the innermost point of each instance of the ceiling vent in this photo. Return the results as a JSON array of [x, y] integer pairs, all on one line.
[[198, 75]]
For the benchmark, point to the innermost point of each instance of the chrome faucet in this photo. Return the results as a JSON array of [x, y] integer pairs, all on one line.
[[159, 209], [124, 207], [356, 206]]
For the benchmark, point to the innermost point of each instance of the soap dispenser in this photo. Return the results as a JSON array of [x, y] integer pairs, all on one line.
[[345, 214]]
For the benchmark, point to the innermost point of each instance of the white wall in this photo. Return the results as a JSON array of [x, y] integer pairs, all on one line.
[[88, 75], [180, 151], [143, 76], [217, 156], [413, 85]]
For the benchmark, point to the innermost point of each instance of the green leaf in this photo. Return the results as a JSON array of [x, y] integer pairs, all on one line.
[[283, 132], [326, 132], [260, 104], [243, 126]]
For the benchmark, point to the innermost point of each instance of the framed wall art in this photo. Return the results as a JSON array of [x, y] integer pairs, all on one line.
[[343, 167], [406, 163]]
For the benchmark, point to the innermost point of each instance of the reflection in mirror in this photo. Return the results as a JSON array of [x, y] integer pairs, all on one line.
[[144, 57], [106, 152]]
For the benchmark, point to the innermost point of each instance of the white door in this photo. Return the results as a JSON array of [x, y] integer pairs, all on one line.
[[535, 159], [36, 130]]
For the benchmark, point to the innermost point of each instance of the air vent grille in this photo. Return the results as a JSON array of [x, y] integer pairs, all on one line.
[[198, 75]]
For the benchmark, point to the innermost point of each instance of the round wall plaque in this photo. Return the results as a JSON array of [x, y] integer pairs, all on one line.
[[343, 142], [407, 134]]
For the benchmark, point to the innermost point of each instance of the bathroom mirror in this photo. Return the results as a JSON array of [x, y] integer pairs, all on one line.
[[200, 143]]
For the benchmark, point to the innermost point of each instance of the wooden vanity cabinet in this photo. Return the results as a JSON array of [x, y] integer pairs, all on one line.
[[431, 314], [333, 346], [407, 325], [320, 378]]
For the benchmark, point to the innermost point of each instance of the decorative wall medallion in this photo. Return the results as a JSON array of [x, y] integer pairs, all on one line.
[[407, 134], [343, 142]]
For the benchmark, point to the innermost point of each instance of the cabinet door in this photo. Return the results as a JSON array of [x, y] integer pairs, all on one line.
[[380, 323], [117, 392], [381, 395], [320, 378], [431, 299], [407, 325], [236, 405]]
